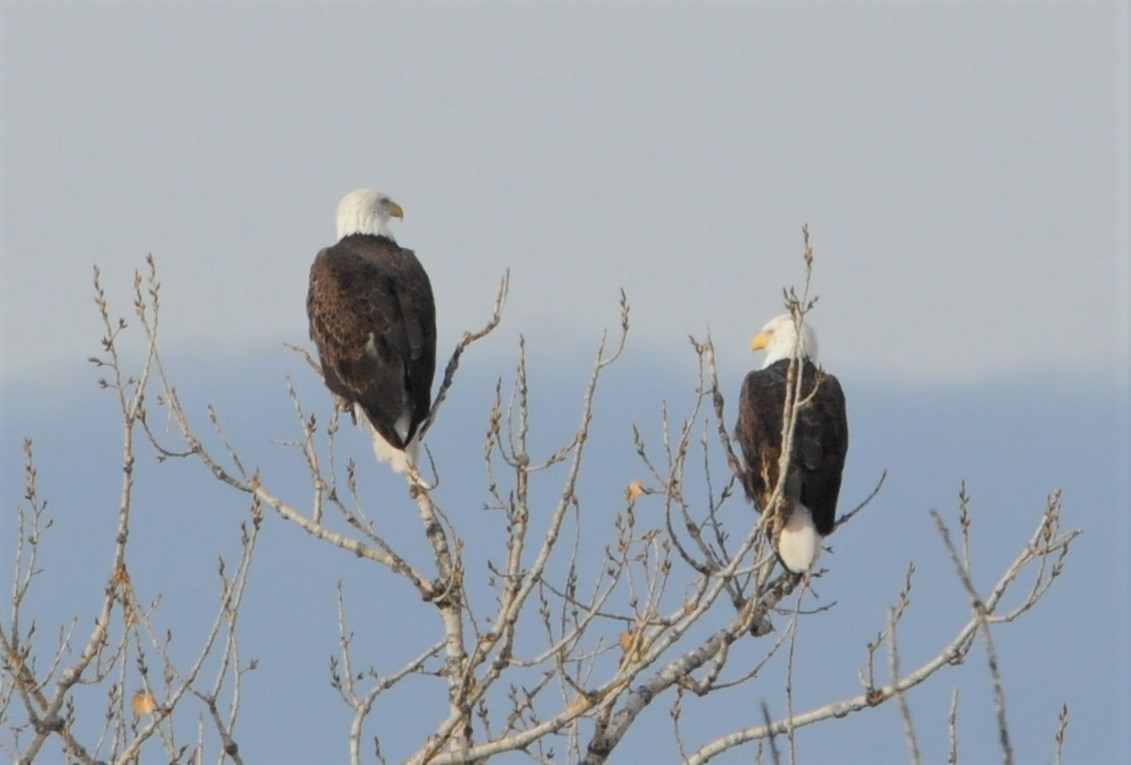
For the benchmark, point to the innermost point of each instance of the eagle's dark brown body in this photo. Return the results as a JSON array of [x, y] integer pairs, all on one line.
[[373, 319], [820, 441]]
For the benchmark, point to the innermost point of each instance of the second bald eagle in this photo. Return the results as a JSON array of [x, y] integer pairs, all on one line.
[[820, 441], [373, 319]]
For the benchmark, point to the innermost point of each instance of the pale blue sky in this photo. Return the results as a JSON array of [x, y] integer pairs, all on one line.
[[962, 167], [959, 167]]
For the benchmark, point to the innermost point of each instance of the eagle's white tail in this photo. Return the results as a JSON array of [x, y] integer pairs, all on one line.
[[398, 460], [799, 544]]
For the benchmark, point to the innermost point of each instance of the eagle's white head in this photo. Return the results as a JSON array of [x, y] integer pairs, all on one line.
[[779, 339], [367, 211]]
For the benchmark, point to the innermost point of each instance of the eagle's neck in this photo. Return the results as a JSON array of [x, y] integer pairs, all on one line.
[[363, 223], [774, 355]]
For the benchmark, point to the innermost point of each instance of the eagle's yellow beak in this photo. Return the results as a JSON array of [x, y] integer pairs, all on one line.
[[394, 209], [759, 342]]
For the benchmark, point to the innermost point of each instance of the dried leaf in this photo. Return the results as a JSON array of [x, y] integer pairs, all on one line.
[[143, 703], [634, 490], [625, 641]]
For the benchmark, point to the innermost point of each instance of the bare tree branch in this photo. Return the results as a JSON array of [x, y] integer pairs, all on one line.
[[546, 639], [1038, 548]]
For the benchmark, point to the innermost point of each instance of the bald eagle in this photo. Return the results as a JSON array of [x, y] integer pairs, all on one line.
[[373, 320], [820, 442]]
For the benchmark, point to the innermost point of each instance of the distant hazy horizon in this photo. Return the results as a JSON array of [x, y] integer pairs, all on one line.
[[929, 439]]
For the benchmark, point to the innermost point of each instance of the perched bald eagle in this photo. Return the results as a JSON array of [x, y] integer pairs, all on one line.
[[373, 320], [820, 442]]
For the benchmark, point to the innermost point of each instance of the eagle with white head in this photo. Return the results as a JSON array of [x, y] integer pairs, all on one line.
[[373, 320], [820, 441]]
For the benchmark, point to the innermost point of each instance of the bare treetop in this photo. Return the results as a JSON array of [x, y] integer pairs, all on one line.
[[534, 650]]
